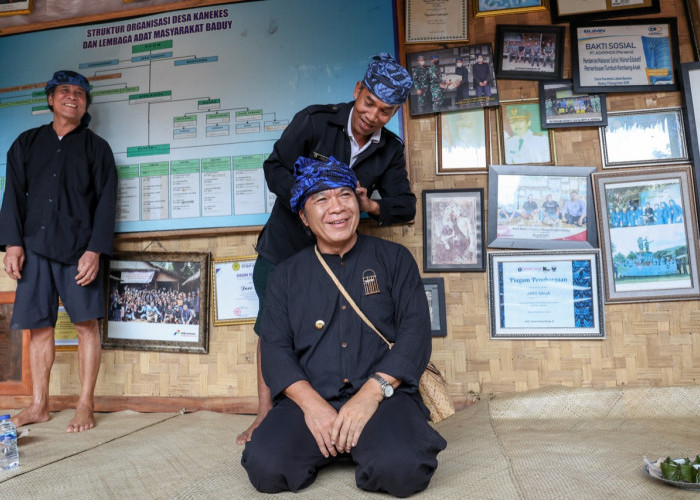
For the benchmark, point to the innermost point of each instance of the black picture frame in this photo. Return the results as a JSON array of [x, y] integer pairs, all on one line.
[[435, 293], [520, 49], [453, 238], [649, 7], [607, 57], [512, 224], [691, 95], [561, 107]]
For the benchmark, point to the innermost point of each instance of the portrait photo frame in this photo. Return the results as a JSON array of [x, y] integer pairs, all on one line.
[[453, 238], [554, 294], [16, 7], [557, 220], [526, 52], [233, 296], [561, 107], [448, 81], [691, 95], [15, 369], [435, 293], [648, 234], [521, 138], [643, 138], [625, 55], [463, 145], [482, 9], [428, 21], [566, 11], [177, 284]]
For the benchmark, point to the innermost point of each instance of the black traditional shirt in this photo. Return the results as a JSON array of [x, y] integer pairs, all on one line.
[[310, 332], [61, 195]]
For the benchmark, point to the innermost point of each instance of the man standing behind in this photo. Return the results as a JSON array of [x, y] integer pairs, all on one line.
[[57, 218], [337, 387], [482, 77], [354, 133]]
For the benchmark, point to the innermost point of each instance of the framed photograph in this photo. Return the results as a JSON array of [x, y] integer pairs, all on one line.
[[625, 56], [691, 95], [435, 293], [526, 52], [158, 302], [566, 11], [692, 10], [546, 295], [541, 207], [463, 142], [10, 7], [234, 300], [452, 79], [429, 21], [490, 8], [15, 371], [643, 138], [561, 107], [453, 237], [648, 234], [521, 138]]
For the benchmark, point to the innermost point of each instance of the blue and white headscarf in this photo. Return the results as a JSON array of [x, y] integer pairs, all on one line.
[[313, 176], [67, 77], [387, 79]]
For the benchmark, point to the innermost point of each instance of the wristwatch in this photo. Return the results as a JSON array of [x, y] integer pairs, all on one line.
[[387, 388]]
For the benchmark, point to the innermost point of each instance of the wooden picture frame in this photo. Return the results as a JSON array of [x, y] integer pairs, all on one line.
[[691, 95], [435, 293], [16, 7], [560, 107], [526, 52], [483, 9], [535, 208], [644, 137], [434, 22], [566, 11], [453, 238], [15, 370], [648, 234], [176, 284], [625, 55], [692, 10], [233, 297], [521, 138], [463, 145]]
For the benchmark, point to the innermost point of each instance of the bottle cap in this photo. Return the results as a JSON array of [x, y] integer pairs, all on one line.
[[4, 417]]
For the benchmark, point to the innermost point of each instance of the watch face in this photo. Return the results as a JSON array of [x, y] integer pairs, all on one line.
[[388, 391]]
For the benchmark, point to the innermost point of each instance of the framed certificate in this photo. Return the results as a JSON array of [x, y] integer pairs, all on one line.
[[430, 21], [625, 56], [564, 11], [545, 295], [234, 300]]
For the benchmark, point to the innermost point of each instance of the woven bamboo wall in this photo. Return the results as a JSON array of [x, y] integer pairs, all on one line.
[[650, 344]]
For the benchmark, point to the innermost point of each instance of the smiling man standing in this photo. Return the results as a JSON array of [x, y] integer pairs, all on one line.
[[57, 219]]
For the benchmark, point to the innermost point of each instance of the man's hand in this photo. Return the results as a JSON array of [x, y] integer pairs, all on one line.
[[319, 419], [354, 415], [88, 268], [14, 261], [366, 204]]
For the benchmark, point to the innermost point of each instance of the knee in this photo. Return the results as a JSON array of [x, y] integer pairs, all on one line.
[[271, 471], [400, 473]]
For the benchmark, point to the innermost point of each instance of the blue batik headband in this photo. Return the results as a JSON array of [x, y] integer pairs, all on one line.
[[387, 79], [66, 77], [312, 176]]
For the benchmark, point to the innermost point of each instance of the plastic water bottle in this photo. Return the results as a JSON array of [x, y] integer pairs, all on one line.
[[8, 444]]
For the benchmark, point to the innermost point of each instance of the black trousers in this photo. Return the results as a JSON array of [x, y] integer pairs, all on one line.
[[396, 453]]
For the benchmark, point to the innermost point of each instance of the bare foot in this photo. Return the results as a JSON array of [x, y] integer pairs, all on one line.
[[247, 434], [83, 420], [31, 415]]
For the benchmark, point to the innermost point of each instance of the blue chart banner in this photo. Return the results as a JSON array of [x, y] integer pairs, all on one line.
[[191, 101]]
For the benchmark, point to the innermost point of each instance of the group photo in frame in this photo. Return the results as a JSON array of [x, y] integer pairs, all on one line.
[[233, 297], [541, 208], [435, 293], [566, 11], [521, 138], [158, 302], [561, 107], [503, 7], [644, 138], [648, 234], [463, 145], [554, 294], [452, 79], [14, 7], [525, 52], [625, 55], [428, 21], [453, 238]]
